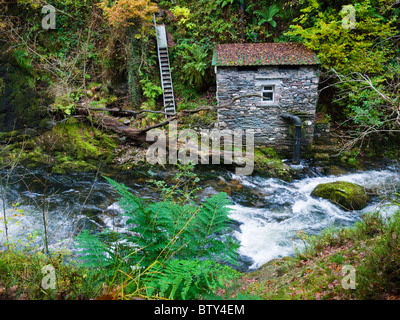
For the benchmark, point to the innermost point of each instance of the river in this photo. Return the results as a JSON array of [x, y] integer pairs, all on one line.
[[268, 212]]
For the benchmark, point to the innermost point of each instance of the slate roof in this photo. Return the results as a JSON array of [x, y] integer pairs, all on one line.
[[263, 54]]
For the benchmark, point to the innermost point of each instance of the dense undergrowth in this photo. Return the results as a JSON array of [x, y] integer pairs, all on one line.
[[103, 55]]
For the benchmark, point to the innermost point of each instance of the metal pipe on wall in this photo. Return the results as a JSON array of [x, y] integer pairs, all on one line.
[[297, 135]]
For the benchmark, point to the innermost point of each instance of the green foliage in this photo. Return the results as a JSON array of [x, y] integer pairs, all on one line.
[[182, 13], [185, 279], [21, 277], [151, 91], [23, 60], [96, 253], [358, 59], [175, 246], [380, 271], [345, 50], [196, 62], [266, 15], [201, 229], [223, 3]]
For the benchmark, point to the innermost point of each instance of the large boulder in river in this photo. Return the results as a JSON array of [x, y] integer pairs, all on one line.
[[349, 196]]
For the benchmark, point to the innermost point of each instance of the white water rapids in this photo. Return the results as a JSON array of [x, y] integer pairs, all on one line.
[[269, 232], [266, 230]]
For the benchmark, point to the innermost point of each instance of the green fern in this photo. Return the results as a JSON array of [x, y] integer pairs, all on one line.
[[175, 248], [209, 230], [188, 279], [94, 253]]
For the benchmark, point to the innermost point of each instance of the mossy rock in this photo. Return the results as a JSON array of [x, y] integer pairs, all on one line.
[[82, 142], [349, 196], [268, 163]]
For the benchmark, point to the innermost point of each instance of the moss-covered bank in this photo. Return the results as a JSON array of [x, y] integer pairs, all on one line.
[[69, 146]]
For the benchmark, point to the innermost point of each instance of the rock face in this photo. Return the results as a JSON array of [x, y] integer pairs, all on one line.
[[349, 196]]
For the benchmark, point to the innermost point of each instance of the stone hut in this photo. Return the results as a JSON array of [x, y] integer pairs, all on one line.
[[283, 77]]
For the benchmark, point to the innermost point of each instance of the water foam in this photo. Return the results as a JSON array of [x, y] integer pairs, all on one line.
[[267, 233]]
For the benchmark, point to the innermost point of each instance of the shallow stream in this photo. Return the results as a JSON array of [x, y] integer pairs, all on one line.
[[269, 212]]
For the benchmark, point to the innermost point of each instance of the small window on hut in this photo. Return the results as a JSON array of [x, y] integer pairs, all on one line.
[[268, 94]]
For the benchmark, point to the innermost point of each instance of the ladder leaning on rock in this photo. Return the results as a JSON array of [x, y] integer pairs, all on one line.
[[165, 71]]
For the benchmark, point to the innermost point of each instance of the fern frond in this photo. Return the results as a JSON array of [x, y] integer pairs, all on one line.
[[189, 279], [212, 228], [93, 252]]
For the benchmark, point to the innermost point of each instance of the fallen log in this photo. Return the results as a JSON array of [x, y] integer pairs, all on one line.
[[138, 136], [110, 123]]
